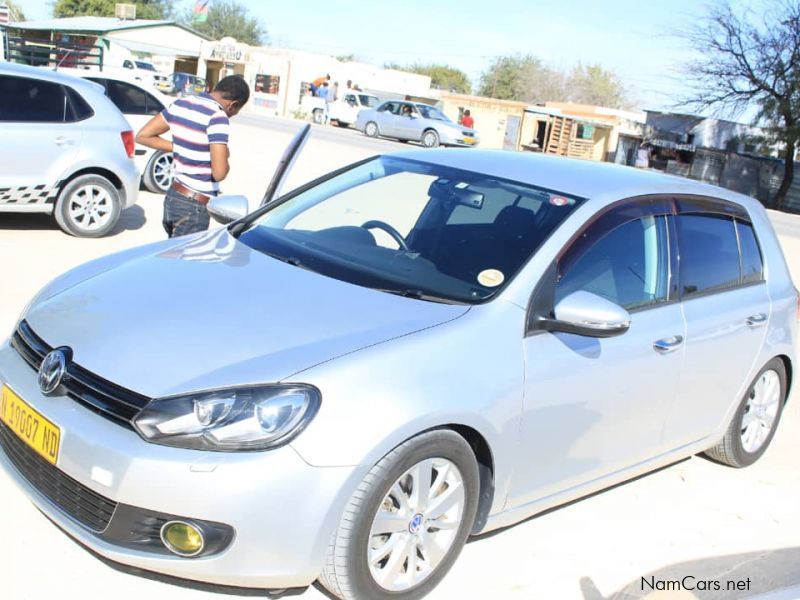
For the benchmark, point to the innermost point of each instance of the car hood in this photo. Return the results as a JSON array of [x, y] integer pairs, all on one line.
[[211, 312]]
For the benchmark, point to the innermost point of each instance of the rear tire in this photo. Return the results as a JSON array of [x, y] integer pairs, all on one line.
[[407, 522], [318, 116], [88, 206], [371, 129], [753, 425], [158, 174]]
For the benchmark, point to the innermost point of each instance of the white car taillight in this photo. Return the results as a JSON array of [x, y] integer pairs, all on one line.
[[128, 142]]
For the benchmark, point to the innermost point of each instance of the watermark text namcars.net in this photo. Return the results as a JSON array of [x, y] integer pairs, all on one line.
[[691, 583]]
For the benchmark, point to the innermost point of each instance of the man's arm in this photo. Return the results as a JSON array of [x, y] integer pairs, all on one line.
[[220, 167], [150, 134]]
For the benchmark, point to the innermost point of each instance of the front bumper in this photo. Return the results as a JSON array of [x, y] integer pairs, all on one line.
[[282, 510]]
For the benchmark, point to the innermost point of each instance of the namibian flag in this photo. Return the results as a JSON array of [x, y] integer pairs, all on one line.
[[201, 11]]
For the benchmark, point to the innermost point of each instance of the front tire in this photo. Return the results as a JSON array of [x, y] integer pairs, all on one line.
[[88, 206], [430, 139], [318, 116], [753, 425], [371, 129], [407, 522], [158, 173]]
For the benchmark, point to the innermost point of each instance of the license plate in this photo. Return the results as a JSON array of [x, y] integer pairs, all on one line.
[[469, 140], [30, 425]]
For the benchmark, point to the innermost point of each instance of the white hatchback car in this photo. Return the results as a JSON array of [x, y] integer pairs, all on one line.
[[138, 102], [65, 150]]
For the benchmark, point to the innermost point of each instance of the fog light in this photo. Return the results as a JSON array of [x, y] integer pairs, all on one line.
[[182, 538]]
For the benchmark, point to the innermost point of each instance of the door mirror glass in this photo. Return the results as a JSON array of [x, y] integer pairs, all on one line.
[[584, 313], [227, 208]]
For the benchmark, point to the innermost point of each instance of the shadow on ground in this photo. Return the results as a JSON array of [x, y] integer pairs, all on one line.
[[131, 219], [767, 574]]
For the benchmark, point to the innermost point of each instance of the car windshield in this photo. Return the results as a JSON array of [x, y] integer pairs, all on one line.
[[145, 65], [413, 228], [367, 100], [432, 113]]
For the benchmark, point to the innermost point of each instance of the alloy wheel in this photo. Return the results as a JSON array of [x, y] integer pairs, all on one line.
[[761, 411], [163, 171], [416, 524], [90, 207]]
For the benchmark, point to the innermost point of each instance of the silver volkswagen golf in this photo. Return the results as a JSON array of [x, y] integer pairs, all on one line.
[[348, 382]]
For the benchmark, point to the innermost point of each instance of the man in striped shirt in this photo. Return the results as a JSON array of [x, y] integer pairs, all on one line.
[[200, 129]]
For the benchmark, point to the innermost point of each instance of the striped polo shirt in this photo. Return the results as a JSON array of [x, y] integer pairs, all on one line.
[[195, 123]]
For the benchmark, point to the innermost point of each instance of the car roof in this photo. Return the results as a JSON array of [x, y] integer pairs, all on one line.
[[570, 176], [85, 73], [46, 74]]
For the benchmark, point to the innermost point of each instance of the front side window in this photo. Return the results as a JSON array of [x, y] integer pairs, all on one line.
[[628, 265], [412, 227], [32, 100], [709, 253]]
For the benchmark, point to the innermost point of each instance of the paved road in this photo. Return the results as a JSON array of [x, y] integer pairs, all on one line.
[[694, 518]]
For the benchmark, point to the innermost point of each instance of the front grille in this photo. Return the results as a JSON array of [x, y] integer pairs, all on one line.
[[107, 399], [82, 504]]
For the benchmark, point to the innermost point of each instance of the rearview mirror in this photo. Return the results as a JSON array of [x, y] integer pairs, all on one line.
[[584, 313], [227, 208]]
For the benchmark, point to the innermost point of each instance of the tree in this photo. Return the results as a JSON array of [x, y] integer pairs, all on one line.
[[592, 84], [15, 12], [521, 77], [528, 79], [145, 9], [443, 77], [229, 18], [346, 58], [747, 62]]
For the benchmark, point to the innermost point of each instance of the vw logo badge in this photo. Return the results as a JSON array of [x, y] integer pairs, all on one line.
[[52, 370], [415, 524]]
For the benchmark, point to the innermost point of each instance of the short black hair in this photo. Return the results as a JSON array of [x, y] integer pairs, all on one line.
[[234, 87]]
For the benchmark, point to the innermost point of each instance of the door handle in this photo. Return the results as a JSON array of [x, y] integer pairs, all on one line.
[[63, 141], [668, 344], [756, 320]]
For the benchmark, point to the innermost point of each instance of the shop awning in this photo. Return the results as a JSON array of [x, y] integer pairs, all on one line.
[[155, 49]]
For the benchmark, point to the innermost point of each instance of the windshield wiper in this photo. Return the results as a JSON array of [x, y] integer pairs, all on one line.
[[417, 295], [289, 260]]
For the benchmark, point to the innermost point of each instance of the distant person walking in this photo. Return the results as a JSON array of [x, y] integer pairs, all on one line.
[[467, 120], [328, 94], [200, 130]]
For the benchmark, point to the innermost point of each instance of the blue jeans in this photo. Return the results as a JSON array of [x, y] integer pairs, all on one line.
[[183, 215]]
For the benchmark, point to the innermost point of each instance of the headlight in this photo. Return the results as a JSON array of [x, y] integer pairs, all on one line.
[[254, 418]]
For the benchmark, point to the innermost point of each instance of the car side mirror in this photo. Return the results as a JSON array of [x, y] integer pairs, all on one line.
[[227, 208], [587, 314]]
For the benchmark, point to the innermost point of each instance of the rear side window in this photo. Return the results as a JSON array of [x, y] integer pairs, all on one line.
[[77, 108], [31, 100], [130, 100], [709, 253], [752, 265]]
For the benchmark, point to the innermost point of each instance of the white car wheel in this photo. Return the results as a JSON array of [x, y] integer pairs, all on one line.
[[88, 206], [159, 172], [371, 129]]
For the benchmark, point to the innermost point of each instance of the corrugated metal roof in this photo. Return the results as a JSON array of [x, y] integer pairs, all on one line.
[[97, 25]]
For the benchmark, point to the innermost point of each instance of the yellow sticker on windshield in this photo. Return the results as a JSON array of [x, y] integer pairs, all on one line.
[[491, 278]]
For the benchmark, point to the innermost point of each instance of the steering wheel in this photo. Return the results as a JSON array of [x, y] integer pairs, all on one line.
[[390, 230]]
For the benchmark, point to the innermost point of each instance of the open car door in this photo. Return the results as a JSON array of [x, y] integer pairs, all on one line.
[[285, 164]]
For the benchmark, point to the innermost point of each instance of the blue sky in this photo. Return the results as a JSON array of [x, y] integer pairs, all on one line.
[[627, 36]]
